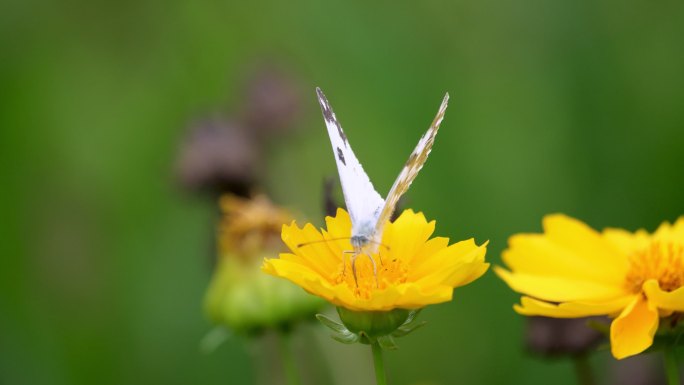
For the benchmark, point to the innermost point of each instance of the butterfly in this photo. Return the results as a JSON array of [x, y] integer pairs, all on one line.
[[368, 211]]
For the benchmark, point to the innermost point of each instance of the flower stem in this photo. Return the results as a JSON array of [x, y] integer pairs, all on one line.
[[288, 360], [380, 378], [671, 367], [583, 371]]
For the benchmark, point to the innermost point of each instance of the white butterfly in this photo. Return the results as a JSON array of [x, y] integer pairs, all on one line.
[[368, 211]]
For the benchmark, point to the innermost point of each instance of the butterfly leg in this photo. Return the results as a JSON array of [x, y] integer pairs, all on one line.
[[375, 271], [379, 254], [353, 265], [344, 263], [352, 261]]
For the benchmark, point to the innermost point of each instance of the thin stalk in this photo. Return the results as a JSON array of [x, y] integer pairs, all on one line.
[[671, 367], [583, 372], [289, 366], [380, 378]]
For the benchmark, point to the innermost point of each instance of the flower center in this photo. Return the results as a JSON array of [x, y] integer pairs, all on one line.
[[662, 261], [388, 272]]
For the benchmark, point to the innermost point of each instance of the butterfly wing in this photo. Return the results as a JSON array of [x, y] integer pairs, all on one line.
[[410, 170], [363, 202]]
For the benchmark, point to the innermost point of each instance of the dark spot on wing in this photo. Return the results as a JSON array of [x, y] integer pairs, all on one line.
[[341, 133], [340, 156], [329, 115], [325, 106]]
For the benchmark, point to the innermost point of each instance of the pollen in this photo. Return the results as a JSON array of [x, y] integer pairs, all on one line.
[[662, 261], [388, 272]]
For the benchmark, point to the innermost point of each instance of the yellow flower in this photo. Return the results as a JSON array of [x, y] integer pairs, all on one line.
[[413, 270], [574, 271]]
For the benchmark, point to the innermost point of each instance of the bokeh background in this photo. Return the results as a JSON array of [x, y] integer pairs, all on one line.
[[570, 106]]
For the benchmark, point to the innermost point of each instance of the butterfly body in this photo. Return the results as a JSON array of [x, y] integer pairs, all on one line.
[[367, 210], [360, 242]]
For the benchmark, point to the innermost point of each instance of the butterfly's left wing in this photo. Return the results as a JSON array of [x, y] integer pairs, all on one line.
[[410, 170], [363, 202]]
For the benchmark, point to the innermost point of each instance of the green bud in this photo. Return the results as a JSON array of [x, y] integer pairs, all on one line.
[[240, 296], [246, 301]]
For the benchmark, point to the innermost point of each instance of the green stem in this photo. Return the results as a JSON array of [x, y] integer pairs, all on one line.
[[671, 367], [380, 378], [583, 371], [288, 360]]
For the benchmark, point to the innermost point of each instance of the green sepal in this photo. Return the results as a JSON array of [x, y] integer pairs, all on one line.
[[340, 332], [412, 316], [410, 325], [387, 342], [373, 324], [408, 329], [371, 327], [346, 338], [213, 339], [331, 324], [664, 341]]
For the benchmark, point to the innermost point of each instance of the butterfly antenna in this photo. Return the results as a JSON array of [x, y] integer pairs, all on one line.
[[299, 245]]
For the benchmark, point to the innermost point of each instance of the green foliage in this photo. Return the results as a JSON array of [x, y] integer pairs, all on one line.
[[557, 106]]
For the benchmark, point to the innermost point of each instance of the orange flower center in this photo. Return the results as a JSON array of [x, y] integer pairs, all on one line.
[[388, 272], [662, 261]]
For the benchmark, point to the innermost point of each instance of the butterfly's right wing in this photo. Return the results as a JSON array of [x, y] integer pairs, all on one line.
[[410, 170], [363, 202]]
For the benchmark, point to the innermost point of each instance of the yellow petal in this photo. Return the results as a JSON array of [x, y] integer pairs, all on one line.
[[432, 262], [415, 297], [339, 226], [424, 260], [537, 254], [557, 288], [627, 242], [407, 234], [321, 256], [633, 330], [468, 273], [457, 265], [672, 300], [299, 274], [670, 232], [678, 228], [585, 242], [531, 306], [408, 296]]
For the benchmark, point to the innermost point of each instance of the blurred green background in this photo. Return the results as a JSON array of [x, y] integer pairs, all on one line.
[[570, 106]]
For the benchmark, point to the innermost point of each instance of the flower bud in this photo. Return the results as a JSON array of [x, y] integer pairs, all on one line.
[[240, 296], [562, 336]]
